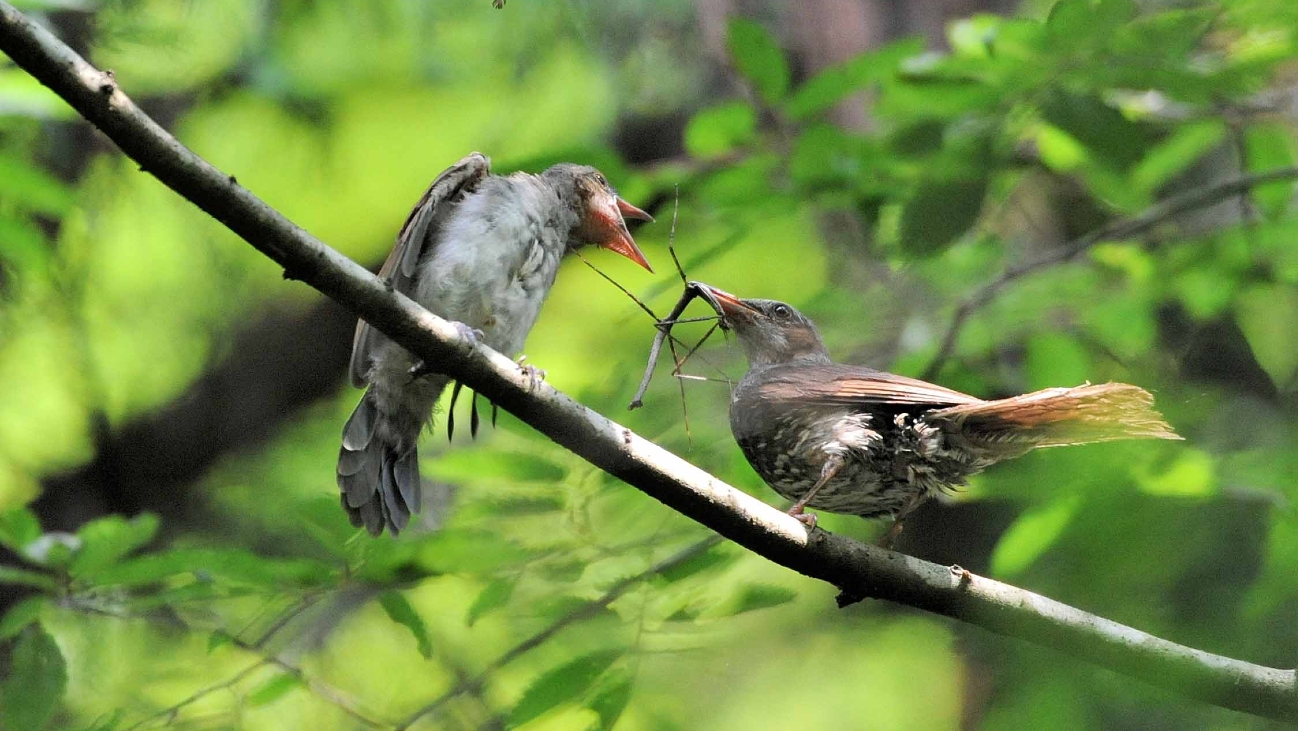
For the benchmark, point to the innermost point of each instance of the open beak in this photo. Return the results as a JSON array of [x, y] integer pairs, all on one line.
[[611, 232], [728, 306]]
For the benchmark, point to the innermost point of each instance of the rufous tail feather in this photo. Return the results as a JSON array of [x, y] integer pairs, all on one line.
[[1061, 416]]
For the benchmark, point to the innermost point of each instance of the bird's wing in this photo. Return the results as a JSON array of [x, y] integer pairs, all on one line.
[[848, 385], [413, 242]]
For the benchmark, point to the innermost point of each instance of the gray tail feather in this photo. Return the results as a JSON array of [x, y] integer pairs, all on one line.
[[379, 481]]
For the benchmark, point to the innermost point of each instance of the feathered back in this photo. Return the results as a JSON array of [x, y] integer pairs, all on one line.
[[1057, 417]]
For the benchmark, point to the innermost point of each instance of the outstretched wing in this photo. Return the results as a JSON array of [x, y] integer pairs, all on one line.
[[848, 385], [413, 240]]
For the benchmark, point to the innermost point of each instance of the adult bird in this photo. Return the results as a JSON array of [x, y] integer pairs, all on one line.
[[851, 439], [481, 250]]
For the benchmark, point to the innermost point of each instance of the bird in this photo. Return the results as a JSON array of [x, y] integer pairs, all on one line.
[[482, 251], [859, 441]]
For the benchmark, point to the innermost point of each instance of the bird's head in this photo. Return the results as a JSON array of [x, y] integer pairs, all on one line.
[[601, 212], [771, 332]]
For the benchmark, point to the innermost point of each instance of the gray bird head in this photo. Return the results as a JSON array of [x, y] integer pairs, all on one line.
[[771, 332], [601, 212]]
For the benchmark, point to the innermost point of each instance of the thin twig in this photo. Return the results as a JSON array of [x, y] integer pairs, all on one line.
[[664, 330], [584, 611], [1119, 229], [671, 237]]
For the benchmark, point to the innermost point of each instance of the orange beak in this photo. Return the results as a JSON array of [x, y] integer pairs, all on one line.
[[609, 230], [727, 305]]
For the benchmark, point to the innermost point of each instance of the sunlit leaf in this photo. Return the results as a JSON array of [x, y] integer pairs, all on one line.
[[720, 129], [20, 615], [752, 597], [217, 640], [18, 527], [1192, 473], [400, 611], [34, 579], [717, 556], [231, 564], [1183, 148], [1269, 146], [24, 184], [107, 540], [470, 552], [758, 57], [37, 679], [1268, 315], [1034, 532], [1056, 359], [493, 596], [561, 685], [273, 689], [611, 696]]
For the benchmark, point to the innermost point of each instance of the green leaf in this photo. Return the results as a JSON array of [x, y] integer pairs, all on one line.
[[233, 565], [938, 212], [273, 689], [1059, 150], [1269, 146], [561, 684], [1055, 359], [20, 616], [1168, 35], [37, 679], [217, 640], [19, 527], [23, 245], [718, 130], [610, 698], [1035, 531], [715, 557], [1192, 473], [1268, 315], [1178, 152], [106, 541], [493, 596], [758, 57], [400, 611], [834, 83], [35, 579], [752, 597], [25, 185], [469, 552]]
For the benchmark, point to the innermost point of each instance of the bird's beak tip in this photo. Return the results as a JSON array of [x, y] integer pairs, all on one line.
[[629, 211]]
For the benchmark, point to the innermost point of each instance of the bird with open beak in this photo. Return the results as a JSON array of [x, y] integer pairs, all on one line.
[[481, 250], [851, 439]]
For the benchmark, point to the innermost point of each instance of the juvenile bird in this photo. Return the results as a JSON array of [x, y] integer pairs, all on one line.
[[851, 439], [481, 250]]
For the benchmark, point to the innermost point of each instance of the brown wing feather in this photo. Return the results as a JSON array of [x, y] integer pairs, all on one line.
[[848, 385], [412, 243]]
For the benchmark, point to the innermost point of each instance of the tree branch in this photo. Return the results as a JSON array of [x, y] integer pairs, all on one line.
[[1119, 229], [859, 570]]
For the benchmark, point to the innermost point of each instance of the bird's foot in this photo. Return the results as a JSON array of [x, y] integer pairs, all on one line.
[[535, 376], [805, 518], [890, 537], [472, 334]]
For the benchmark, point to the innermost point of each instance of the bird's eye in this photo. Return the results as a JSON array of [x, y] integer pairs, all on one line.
[[782, 311]]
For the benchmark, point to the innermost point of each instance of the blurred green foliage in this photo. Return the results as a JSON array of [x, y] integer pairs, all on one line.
[[541, 600]]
